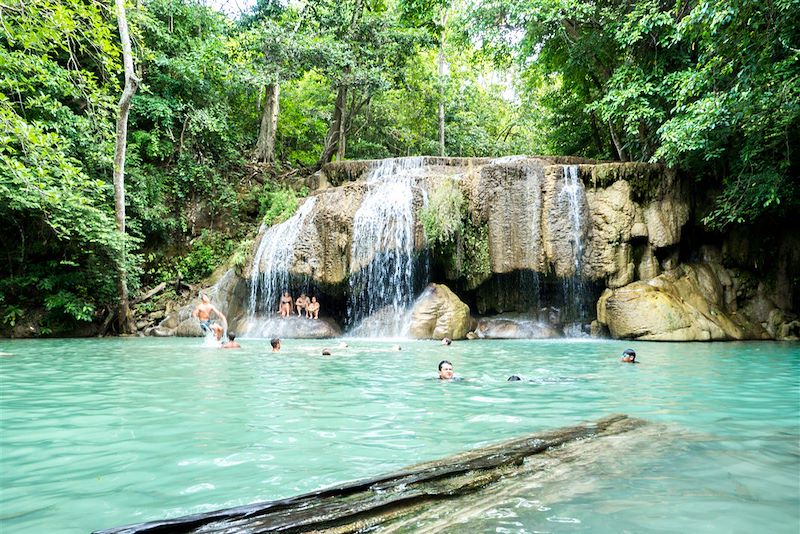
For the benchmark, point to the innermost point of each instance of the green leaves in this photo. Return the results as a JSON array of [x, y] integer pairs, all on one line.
[[709, 86]]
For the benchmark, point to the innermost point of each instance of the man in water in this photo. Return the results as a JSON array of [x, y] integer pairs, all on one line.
[[629, 356], [445, 370], [276, 344], [446, 341], [231, 343], [203, 313]]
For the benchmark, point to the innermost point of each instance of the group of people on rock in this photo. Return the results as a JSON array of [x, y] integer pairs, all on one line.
[[303, 303]]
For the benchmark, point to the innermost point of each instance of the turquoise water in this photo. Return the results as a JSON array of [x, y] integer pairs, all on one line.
[[104, 432]]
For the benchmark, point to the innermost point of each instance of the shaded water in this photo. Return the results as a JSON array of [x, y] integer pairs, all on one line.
[[99, 433]]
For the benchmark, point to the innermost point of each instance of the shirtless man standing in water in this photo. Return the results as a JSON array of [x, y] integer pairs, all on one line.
[[203, 314]]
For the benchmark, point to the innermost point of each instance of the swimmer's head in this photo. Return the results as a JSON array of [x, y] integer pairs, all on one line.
[[629, 355], [513, 378], [445, 370], [446, 341], [326, 352], [231, 336], [275, 342]]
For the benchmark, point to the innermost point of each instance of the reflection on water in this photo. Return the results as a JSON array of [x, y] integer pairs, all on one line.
[[98, 433]]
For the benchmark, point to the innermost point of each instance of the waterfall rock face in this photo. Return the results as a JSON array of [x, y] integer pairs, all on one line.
[[439, 313], [523, 204], [549, 234]]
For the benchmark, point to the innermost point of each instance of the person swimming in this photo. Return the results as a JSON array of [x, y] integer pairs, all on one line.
[[629, 356]]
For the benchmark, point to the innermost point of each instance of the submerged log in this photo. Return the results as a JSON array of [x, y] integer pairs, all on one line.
[[357, 506]]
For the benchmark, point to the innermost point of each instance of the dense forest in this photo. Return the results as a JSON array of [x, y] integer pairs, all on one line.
[[229, 110]]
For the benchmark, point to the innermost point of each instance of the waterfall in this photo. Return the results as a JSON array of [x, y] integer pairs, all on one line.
[[269, 276], [573, 198], [383, 271]]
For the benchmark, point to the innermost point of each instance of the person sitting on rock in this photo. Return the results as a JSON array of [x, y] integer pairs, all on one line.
[[301, 303], [312, 310], [629, 356], [285, 307], [231, 343]]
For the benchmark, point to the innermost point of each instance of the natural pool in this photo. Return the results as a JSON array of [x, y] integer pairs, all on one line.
[[104, 432]]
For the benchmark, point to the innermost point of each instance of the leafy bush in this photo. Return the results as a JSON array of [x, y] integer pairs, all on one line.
[[443, 217], [277, 205], [207, 252]]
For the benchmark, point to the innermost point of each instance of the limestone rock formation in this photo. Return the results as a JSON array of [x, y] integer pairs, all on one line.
[[439, 313], [684, 304]]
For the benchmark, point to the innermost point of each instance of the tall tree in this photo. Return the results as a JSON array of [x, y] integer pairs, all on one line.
[[432, 15], [131, 84], [277, 52], [365, 50]]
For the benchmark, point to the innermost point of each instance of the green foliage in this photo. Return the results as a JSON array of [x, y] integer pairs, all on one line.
[[205, 254], [442, 217], [58, 94], [709, 86], [11, 314], [241, 254], [456, 241], [278, 204], [477, 266]]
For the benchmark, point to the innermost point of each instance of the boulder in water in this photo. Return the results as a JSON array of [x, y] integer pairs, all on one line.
[[685, 304], [514, 327], [439, 313], [292, 327]]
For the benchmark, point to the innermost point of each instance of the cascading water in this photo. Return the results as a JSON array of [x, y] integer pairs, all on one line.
[[573, 198], [269, 276], [384, 275]]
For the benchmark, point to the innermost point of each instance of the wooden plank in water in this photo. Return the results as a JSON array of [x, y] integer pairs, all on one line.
[[355, 506]]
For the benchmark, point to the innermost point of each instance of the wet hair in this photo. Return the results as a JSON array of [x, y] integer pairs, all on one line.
[[326, 352], [441, 363], [231, 335], [513, 378], [274, 342], [629, 352]]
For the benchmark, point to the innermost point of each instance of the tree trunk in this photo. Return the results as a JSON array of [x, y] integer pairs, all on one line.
[[617, 144], [341, 146], [332, 138], [442, 74], [131, 84], [265, 147]]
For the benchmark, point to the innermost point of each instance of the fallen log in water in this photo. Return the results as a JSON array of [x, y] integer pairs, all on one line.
[[356, 506]]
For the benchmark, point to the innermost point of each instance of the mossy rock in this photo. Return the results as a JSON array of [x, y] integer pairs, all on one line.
[[645, 178]]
